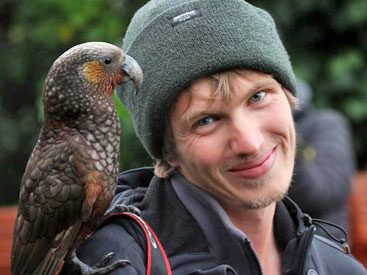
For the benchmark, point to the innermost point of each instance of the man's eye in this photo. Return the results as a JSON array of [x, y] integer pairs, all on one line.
[[258, 96], [205, 121]]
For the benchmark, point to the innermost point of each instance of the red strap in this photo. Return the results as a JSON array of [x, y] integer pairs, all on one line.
[[168, 266], [154, 246]]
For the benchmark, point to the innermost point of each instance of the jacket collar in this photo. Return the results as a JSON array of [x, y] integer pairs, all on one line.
[[289, 220], [183, 205]]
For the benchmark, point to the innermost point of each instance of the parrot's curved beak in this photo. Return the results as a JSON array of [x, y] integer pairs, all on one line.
[[133, 72]]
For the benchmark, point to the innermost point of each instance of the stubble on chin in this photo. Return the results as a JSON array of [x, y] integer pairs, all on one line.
[[264, 198], [262, 202]]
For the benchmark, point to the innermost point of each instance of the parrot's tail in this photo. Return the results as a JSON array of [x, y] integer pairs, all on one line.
[[44, 256], [53, 261]]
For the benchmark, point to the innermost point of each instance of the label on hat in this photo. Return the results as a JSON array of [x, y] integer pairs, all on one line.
[[183, 17]]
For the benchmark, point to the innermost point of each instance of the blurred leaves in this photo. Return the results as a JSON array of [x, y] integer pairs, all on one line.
[[351, 14], [343, 68]]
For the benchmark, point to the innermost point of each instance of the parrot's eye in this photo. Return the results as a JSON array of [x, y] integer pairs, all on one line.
[[107, 60]]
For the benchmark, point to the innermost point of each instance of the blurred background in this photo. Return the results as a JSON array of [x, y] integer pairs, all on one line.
[[326, 39]]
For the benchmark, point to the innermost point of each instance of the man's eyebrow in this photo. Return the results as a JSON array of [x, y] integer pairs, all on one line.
[[208, 110], [262, 84], [192, 116]]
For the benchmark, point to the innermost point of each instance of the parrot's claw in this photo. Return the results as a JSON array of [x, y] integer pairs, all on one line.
[[76, 266], [124, 208], [106, 258]]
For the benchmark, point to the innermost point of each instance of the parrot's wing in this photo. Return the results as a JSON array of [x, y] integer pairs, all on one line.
[[51, 204]]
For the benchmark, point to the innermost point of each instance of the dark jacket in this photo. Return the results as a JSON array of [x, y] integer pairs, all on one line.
[[325, 163], [199, 238]]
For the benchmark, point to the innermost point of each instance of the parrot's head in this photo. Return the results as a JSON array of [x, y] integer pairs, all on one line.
[[84, 77]]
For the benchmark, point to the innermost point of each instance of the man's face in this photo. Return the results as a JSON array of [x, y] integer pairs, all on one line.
[[240, 150]]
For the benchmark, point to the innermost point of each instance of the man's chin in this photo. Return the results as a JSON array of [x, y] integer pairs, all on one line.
[[263, 202]]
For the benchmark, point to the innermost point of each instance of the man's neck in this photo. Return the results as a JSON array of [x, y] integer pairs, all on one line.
[[257, 224]]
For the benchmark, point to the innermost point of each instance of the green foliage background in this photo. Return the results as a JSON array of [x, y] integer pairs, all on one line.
[[326, 39]]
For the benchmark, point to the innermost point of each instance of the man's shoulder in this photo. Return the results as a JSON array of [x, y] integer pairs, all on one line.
[[330, 258], [138, 177], [132, 186], [321, 254], [119, 238]]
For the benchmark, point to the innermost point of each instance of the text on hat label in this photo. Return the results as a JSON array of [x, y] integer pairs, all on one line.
[[184, 17]]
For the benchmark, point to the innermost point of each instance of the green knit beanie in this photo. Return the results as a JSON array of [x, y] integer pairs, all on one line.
[[178, 41]]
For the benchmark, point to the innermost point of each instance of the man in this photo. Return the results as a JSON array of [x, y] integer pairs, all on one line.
[[215, 112]]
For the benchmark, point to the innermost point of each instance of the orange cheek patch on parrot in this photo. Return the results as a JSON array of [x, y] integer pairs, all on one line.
[[94, 72]]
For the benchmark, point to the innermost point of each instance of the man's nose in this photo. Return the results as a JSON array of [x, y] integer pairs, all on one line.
[[247, 134]]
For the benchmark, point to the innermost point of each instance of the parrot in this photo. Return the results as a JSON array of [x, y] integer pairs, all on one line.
[[71, 174]]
